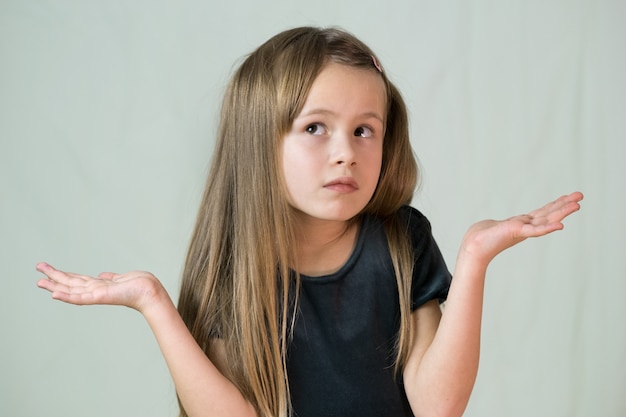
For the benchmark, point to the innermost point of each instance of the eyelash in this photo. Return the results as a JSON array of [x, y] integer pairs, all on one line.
[[360, 129]]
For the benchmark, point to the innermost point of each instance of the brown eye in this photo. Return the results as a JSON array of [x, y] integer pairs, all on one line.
[[364, 132], [316, 129]]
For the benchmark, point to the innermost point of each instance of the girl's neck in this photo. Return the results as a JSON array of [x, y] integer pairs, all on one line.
[[324, 246]]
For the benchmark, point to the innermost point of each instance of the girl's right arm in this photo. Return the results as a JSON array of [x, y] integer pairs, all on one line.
[[201, 387]]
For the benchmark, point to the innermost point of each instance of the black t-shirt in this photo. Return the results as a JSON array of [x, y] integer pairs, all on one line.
[[340, 361]]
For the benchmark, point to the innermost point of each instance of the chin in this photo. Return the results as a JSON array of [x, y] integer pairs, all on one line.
[[339, 214]]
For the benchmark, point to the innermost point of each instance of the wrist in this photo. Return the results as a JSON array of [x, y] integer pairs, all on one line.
[[472, 260], [154, 298], [471, 254]]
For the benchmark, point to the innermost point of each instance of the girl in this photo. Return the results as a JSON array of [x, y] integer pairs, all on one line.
[[310, 287]]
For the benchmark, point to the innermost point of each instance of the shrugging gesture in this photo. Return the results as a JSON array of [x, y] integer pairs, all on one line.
[[312, 169], [135, 289]]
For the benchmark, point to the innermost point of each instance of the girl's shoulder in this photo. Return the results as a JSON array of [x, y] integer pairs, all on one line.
[[411, 218], [411, 213]]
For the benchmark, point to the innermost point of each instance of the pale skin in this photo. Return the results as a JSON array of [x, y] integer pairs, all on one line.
[[332, 159], [442, 366]]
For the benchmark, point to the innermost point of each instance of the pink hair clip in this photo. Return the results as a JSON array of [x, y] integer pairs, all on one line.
[[376, 64]]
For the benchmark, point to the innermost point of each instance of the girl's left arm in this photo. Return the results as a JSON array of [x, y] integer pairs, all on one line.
[[441, 370]]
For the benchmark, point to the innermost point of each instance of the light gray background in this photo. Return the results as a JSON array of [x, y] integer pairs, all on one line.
[[107, 120]]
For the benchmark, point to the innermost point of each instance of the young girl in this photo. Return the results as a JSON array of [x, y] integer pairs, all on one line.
[[310, 287]]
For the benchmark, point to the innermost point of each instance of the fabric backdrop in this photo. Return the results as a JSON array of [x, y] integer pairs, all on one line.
[[108, 112]]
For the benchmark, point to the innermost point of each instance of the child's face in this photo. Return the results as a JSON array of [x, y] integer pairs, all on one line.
[[332, 155]]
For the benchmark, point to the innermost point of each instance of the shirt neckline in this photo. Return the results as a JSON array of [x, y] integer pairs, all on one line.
[[354, 256]]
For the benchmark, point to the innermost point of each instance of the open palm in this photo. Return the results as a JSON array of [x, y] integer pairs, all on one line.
[[485, 239], [133, 289]]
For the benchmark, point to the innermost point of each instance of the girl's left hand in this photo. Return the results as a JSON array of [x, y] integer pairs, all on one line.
[[486, 239], [136, 289]]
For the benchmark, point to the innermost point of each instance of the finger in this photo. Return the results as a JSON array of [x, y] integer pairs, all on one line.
[[562, 211], [53, 274], [57, 275], [543, 229], [82, 298], [59, 282], [567, 203], [47, 270], [46, 284], [75, 294], [42, 266], [559, 208], [575, 196], [108, 275], [54, 286]]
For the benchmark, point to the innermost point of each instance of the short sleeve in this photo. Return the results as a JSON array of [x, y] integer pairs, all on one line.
[[431, 277]]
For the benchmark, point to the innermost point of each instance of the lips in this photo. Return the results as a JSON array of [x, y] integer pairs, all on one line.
[[342, 185]]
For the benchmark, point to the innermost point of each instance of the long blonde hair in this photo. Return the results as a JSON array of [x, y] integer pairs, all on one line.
[[236, 278]]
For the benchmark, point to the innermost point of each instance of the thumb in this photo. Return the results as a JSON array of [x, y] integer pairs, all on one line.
[[107, 275]]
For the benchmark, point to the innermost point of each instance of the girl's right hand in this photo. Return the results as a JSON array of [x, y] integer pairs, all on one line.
[[136, 289]]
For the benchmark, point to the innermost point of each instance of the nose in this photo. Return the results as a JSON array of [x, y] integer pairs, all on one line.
[[343, 150]]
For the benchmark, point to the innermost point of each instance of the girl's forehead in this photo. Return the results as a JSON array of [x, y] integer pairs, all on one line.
[[334, 70], [340, 86]]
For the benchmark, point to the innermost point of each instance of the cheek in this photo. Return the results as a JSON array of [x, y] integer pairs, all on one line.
[[299, 160], [375, 161], [294, 166], [288, 162]]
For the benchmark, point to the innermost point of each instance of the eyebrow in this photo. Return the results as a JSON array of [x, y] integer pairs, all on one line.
[[322, 111]]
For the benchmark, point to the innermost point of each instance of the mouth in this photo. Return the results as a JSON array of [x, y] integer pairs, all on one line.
[[342, 185]]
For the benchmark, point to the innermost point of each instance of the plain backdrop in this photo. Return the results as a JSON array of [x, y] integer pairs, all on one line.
[[108, 113]]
